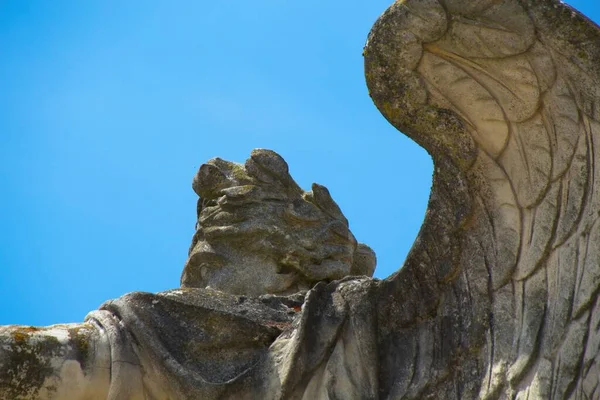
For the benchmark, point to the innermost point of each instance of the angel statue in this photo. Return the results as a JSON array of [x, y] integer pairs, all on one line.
[[497, 299]]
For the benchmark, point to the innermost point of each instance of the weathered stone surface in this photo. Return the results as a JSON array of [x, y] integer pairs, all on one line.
[[237, 328], [505, 96], [498, 298], [69, 361], [259, 232]]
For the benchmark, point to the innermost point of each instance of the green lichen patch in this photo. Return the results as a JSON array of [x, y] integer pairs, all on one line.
[[80, 339], [26, 355]]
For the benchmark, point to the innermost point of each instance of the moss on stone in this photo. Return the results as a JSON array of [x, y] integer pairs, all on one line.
[[239, 172], [80, 338], [30, 361]]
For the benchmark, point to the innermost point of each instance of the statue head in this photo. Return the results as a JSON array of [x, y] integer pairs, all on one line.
[[258, 232]]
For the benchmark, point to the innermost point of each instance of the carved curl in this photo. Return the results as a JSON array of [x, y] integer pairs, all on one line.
[[259, 208]]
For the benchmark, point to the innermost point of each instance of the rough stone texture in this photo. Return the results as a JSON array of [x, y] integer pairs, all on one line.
[[236, 328], [498, 298], [259, 232], [505, 96], [69, 361]]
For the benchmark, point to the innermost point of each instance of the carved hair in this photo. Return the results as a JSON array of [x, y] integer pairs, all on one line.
[[258, 208]]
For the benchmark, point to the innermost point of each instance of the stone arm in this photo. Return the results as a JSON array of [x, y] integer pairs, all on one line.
[[178, 344], [54, 362], [90, 361]]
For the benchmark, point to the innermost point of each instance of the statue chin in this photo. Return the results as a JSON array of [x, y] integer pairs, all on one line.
[[244, 277]]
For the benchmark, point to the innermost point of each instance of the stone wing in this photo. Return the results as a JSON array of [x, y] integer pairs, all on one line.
[[505, 96]]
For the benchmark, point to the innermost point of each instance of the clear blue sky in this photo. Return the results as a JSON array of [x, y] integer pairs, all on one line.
[[107, 108]]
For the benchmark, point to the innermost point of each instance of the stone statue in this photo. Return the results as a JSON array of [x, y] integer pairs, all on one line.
[[498, 298], [258, 232], [261, 242]]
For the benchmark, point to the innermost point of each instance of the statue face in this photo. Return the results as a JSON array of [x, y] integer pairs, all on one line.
[[258, 232], [240, 272]]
